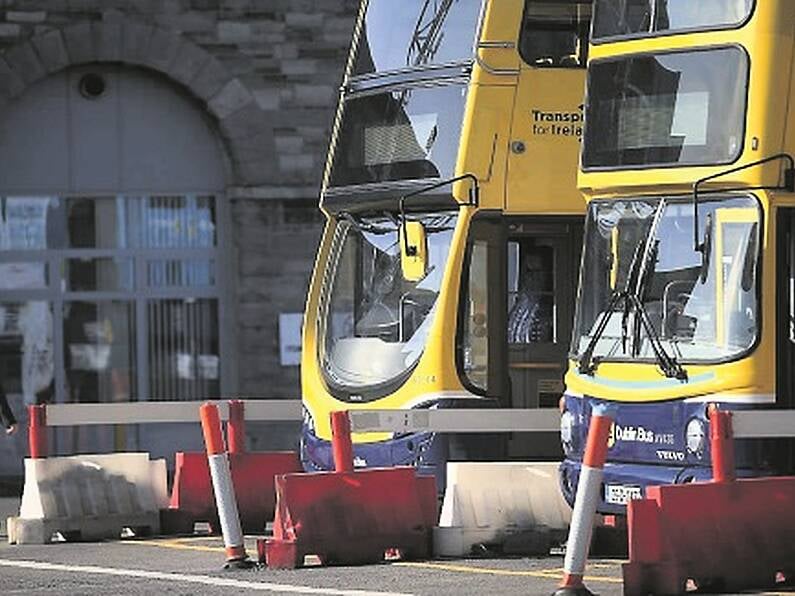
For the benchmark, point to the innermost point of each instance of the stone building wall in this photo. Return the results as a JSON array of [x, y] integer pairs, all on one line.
[[267, 73]]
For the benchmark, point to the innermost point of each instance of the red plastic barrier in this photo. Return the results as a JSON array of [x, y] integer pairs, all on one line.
[[351, 517], [341, 442], [731, 536], [721, 442], [236, 427], [253, 478], [727, 534]]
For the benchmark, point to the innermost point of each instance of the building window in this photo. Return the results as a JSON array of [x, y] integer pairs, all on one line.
[[130, 284]]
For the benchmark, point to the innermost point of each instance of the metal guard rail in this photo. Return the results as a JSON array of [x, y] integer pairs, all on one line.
[[746, 423], [274, 410]]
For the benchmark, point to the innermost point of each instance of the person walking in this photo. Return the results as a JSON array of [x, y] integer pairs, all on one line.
[[6, 415]]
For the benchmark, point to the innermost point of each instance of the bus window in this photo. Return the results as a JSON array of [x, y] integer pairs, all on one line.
[[670, 108], [636, 18], [417, 34], [475, 340], [737, 248], [531, 292], [791, 282], [555, 34], [400, 135]]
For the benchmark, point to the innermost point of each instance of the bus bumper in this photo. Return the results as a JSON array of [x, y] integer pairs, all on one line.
[[622, 482]]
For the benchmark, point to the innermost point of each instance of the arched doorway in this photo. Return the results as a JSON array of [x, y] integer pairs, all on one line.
[[112, 224]]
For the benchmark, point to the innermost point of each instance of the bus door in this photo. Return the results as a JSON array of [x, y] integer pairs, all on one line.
[[784, 459], [542, 259]]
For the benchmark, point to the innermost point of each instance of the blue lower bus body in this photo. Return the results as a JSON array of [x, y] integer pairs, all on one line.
[[425, 451], [428, 452], [649, 446]]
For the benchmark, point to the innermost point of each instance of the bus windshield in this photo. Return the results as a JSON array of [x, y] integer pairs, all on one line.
[[639, 18], [373, 322], [678, 108], [418, 33], [702, 308]]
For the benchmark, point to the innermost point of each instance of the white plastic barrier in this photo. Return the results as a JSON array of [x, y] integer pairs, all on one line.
[[90, 496], [516, 505]]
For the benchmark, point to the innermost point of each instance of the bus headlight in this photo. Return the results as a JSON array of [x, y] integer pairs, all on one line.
[[695, 435], [566, 430]]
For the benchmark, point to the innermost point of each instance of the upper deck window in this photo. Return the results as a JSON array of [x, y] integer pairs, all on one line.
[[408, 133], [555, 33], [414, 33], [642, 18], [682, 108]]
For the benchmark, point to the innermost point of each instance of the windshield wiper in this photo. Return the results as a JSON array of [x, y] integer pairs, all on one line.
[[668, 364], [588, 363], [631, 301]]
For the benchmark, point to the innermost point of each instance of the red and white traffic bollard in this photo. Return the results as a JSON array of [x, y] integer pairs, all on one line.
[[223, 488], [588, 489], [37, 431]]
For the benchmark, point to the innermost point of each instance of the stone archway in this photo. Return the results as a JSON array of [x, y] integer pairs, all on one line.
[[244, 128]]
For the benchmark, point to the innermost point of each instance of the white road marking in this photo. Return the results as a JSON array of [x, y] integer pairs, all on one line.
[[191, 579]]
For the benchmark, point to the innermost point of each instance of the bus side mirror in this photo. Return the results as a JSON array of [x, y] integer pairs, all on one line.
[[705, 248], [749, 263], [413, 250]]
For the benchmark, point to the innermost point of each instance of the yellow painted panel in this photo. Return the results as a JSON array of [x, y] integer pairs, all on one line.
[[545, 142], [484, 141], [496, 59]]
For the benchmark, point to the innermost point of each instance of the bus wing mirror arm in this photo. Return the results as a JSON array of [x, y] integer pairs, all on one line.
[[788, 185]]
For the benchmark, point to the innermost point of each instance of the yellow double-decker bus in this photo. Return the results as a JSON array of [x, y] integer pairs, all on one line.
[[447, 270], [687, 283]]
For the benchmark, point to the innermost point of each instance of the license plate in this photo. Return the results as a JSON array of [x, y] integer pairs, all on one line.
[[620, 494]]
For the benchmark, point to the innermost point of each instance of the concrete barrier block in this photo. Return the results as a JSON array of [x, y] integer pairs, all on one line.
[[511, 506], [89, 497]]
